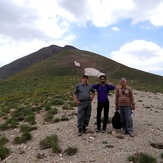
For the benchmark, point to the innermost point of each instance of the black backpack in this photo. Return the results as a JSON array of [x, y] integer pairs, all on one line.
[[116, 121]]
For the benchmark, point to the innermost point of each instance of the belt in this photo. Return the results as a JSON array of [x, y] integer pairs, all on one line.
[[84, 100]]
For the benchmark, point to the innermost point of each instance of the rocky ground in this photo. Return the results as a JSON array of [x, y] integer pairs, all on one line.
[[109, 147]]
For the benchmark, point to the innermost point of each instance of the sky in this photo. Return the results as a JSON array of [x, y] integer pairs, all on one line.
[[129, 31]]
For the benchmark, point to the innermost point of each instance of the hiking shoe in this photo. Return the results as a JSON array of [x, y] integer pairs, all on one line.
[[103, 131], [79, 132], [98, 130], [131, 134], [84, 130]]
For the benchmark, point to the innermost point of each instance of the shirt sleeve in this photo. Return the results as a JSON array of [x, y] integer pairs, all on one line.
[[116, 96], [111, 86], [131, 97], [94, 86], [76, 89], [92, 89]]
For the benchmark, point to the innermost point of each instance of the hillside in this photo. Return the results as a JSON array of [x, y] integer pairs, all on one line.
[[27, 61], [53, 61]]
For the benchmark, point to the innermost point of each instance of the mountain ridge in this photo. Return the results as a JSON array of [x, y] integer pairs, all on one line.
[[25, 62], [59, 61]]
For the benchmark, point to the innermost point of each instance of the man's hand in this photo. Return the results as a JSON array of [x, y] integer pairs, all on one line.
[[116, 108], [77, 101], [133, 107]]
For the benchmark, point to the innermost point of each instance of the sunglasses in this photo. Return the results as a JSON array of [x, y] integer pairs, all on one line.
[[123, 81]]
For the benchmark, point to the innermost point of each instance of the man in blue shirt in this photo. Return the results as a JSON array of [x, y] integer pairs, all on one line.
[[103, 102]]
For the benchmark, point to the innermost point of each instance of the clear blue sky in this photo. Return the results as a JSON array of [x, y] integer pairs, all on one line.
[[129, 31]]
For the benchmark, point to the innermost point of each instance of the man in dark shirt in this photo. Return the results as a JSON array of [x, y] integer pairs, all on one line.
[[83, 95], [103, 102]]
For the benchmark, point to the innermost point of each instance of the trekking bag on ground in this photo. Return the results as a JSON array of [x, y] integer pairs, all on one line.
[[116, 121]]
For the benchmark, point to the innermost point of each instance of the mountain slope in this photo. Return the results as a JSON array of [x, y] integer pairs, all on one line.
[[60, 62], [27, 61]]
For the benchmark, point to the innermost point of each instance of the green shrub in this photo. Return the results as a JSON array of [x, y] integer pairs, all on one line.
[[4, 126], [142, 158], [48, 107], [46, 143], [161, 155], [51, 142], [3, 140], [50, 114], [12, 123], [72, 103], [67, 107], [70, 151], [58, 101], [55, 147], [26, 136], [27, 128], [31, 119], [53, 111], [4, 152], [48, 117], [64, 118]]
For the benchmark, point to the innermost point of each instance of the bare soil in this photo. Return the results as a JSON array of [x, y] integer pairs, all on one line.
[[109, 147]]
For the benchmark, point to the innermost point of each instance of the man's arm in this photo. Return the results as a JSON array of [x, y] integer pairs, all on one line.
[[92, 93], [75, 94], [132, 100], [92, 96], [116, 99], [76, 99]]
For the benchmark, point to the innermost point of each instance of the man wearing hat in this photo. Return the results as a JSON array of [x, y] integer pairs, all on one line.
[[83, 95]]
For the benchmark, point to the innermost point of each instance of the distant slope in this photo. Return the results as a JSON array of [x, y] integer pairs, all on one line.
[[56, 61], [27, 61], [62, 64]]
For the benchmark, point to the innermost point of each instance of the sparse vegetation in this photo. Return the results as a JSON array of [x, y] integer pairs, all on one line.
[[26, 136], [64, 118], [4, 152], [51, 142], [142, 158], [161, 155], [3, 140], [27, 128], [70, 151], [50, 114], [57, 101]]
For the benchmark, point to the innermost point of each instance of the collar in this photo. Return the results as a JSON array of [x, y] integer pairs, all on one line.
[[124, 87], [84, 84]]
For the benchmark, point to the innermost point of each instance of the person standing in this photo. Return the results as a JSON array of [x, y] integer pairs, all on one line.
[[103, 102], [124, 102], [83, 95]]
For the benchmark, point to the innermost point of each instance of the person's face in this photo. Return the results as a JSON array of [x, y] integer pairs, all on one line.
[[85, 80], [102, 80], [123, 82]]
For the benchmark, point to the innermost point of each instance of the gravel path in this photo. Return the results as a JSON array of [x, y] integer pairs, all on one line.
[[109, 147]]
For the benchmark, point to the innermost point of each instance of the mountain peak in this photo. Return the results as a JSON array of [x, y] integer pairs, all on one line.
[[69, 47]]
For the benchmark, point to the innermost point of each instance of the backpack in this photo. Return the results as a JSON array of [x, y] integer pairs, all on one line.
[[116, 121], [105, 84]]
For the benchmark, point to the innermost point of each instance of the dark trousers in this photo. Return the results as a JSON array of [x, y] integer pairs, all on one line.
[[100, 107], [84, 114]]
